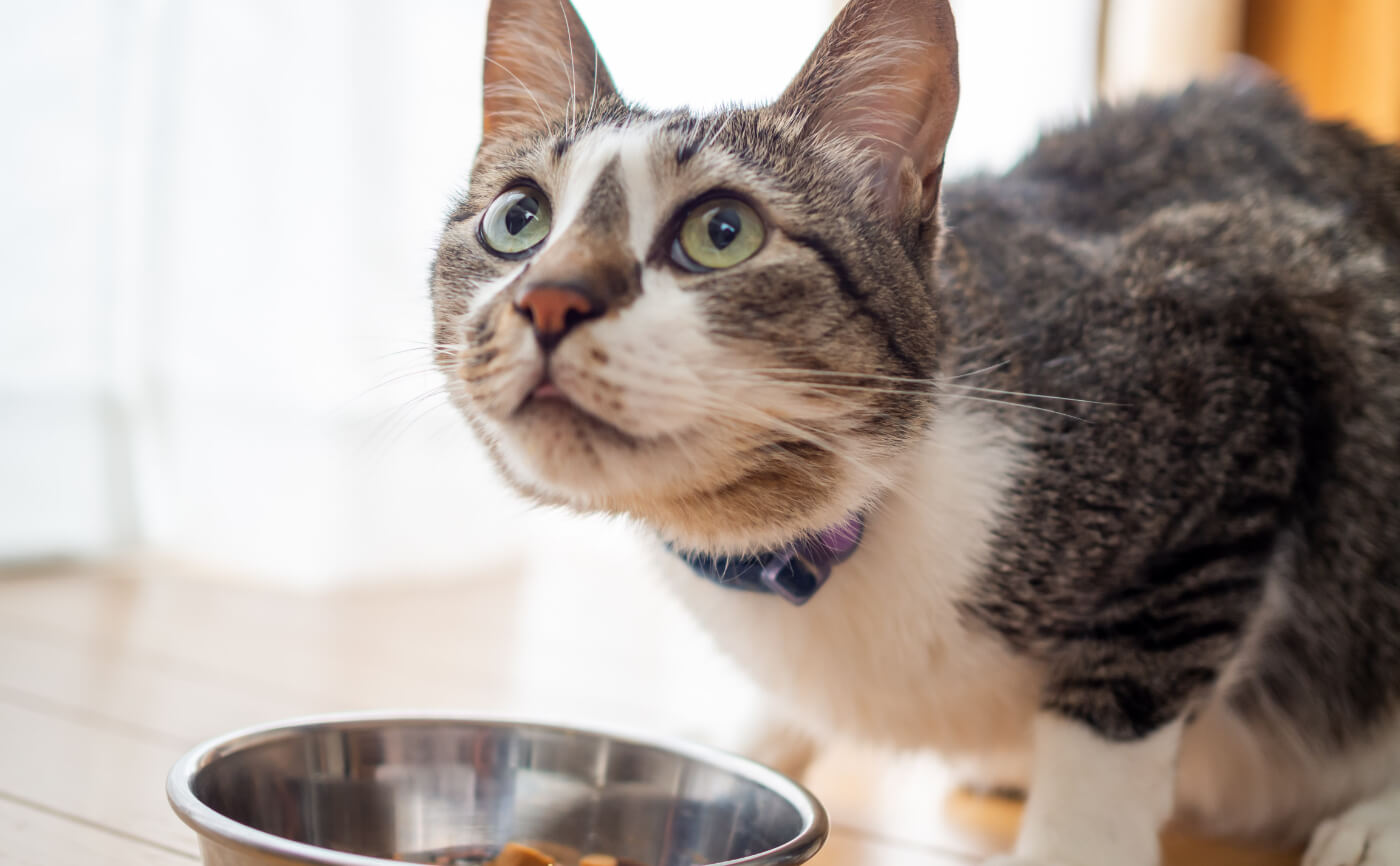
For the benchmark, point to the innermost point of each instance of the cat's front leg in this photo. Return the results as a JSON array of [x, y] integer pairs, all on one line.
[[1095, 801]]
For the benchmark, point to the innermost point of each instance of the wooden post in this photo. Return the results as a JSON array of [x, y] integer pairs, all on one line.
[[1342, 56]]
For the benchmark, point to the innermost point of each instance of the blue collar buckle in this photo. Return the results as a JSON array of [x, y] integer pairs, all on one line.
[[794, 572]]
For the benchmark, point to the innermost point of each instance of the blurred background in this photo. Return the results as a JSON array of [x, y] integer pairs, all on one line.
[[230, 487], [218, 219]]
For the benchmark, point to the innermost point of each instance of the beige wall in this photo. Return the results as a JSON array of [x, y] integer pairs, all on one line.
[[1160, 45]]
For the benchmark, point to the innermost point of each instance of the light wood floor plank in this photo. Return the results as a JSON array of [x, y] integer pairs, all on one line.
[[160, 664], [32, 836], [62, 655], [174, 704], [429, 646], [99, 776], [845, 848], [101, 788]]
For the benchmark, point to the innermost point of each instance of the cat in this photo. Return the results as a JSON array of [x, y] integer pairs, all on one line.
[[1091, 470]]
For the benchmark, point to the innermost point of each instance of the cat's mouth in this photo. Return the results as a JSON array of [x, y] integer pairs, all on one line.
[[550, 405], [546, 390]]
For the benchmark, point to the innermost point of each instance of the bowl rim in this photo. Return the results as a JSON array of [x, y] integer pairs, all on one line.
[[217, 827]]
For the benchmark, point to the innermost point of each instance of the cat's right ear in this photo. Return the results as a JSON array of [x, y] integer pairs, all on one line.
[[542, 67], [883, 82]]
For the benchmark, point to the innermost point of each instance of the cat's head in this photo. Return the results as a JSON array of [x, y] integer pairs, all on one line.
[[712, 323]]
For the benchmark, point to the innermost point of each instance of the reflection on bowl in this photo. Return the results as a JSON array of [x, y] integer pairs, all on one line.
[[362, 789]]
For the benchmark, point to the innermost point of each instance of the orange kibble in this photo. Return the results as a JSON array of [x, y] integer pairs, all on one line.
[[515, 854]]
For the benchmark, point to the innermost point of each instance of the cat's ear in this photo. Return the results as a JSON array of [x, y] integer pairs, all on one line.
[[541, 67], [885, 79]]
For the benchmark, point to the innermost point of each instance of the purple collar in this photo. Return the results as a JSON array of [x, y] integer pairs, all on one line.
[[794, 572]]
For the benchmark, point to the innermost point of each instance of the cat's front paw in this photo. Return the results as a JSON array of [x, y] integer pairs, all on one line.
[[1366, 835]]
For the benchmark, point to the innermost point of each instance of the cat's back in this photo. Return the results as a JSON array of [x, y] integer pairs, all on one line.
[[1227, 272], [1210, 144], [1237, 179], [1222, 200]]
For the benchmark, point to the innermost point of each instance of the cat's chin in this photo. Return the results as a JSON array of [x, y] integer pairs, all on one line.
[[697, 497], [557, 417], [562, 454]]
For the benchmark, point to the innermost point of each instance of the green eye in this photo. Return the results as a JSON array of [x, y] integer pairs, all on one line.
[[516, 221], [719, 233]]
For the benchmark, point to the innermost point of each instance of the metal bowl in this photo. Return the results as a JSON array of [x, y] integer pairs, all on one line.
[[363, 789]]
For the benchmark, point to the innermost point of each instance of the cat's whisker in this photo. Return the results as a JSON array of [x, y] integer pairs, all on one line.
[[544, 119], [1019, 406], [979, 371], [423, 344], [931, 383], [474, 355], [715, 131], [593, 99], [1036, 396], [810, 388], [572, 114], [765, 419], [824, 387], [788, 374], [410, 402], [568, 127], [646, 388], [410, 349], [926, 392], [398, 377], [910, 392], [501, 365], [516, 117], [426, 409], [389, 430], [466, 354], [677, 441], [868, 475]]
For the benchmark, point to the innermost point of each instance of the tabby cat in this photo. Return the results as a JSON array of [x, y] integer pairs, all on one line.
[[1090, 471]]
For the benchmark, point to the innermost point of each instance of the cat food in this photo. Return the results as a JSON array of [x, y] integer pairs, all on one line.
[[511, 854], [514, 854]]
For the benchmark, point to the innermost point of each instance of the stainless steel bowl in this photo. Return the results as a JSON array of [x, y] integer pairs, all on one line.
[[360, 789]]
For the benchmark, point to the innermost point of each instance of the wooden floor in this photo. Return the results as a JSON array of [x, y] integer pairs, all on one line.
[[108, 674]]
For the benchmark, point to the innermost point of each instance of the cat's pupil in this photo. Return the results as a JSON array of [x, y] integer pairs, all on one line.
[[724, 227], [521, 214]]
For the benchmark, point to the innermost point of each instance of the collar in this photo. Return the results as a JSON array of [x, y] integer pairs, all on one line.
[[794, 572]]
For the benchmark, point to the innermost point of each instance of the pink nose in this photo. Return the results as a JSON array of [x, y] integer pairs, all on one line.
[[553, 311]]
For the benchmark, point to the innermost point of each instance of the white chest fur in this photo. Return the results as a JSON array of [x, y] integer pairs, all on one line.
[[881, 653]]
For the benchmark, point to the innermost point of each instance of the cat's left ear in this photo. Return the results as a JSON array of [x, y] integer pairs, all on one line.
[[541, 67], [885, 79]]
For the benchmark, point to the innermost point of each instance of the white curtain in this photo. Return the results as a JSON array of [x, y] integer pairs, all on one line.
[[217, 221]]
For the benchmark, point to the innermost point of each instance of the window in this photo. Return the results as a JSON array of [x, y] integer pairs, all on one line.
[[218, 219]]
